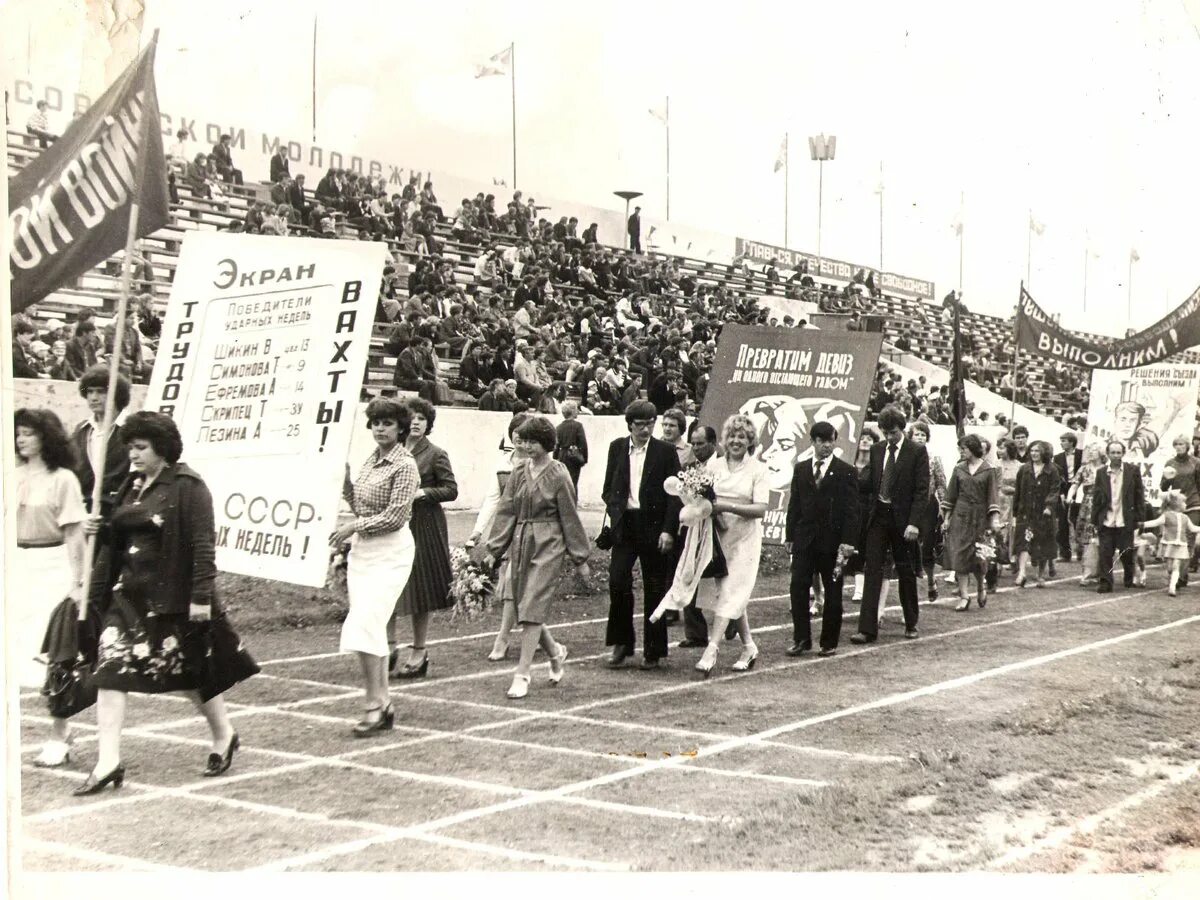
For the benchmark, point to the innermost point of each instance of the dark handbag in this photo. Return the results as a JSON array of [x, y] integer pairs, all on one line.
[[68, 687], [604, 540], [717, 567]]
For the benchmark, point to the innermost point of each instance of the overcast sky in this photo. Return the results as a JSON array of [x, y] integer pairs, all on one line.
[[1088, 113]]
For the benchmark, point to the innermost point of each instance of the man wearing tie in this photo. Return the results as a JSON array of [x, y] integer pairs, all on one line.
[[644, 520], [1118, 504], [1067, 463], [822, 518], [898, 475]]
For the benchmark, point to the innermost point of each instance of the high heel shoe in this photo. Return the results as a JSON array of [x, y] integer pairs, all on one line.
[[964, 603], [499, 652], [94, 785], [558, 664], [219, 763], [708, 660], [385, 722], [747, 660], [410, 671], [981, 598]]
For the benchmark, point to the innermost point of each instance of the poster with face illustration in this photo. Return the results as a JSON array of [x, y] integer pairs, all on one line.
[[784, 380], [1146, 409]]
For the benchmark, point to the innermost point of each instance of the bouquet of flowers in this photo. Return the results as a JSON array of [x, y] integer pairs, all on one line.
[[338, 563], [694, 486], [845, 552], [985, 549], [471, 587]]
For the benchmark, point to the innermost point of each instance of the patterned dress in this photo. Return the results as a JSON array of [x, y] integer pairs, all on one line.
[[146, 651]]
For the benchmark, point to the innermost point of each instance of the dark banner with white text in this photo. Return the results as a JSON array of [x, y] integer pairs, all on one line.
[[1039, 334], [69, 208]]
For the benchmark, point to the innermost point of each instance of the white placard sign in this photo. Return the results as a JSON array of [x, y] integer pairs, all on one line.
[[260, 365], [1146, 409]]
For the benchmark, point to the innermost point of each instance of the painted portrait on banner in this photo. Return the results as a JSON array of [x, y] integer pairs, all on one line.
[[1146, 409], [785, 380]]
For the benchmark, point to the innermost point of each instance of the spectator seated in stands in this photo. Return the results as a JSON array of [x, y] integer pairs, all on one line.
[[149, 323], [429, 201], [487, 270], [279, 191], [500, 396], [39, 126], [197, 177], [223, 157], [131, 363], [416, 369], [24, 333], [256, 216], [276, 220], [279, 164], [475, 371]]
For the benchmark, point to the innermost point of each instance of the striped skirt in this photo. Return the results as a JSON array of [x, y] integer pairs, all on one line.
[[428, 587]]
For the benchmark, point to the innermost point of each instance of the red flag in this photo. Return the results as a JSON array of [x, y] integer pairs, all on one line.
[[69, 208]]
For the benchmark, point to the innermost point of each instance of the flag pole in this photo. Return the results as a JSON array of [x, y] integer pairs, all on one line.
[[1029, 249], [512, 71], [114, 358], [314, 80], [786, 155], [668, 124], [1012, 412]]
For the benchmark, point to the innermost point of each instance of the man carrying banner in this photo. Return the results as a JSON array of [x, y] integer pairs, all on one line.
[[895, 478]]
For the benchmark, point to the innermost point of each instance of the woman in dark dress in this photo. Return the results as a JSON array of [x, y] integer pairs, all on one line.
[[1035, 505], [428, 587], [163, 629]]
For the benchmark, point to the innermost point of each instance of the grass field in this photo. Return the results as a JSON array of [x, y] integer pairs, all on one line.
[[1055, 731]]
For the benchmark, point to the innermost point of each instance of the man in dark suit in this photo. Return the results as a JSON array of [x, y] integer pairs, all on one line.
[[1118, 508], [634, 227], [223, 155], [822, 518], [897, 476], [644, 520], [279, 163], [1067, 463]]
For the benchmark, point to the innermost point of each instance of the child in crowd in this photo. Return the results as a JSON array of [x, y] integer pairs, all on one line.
[[1174, 543]]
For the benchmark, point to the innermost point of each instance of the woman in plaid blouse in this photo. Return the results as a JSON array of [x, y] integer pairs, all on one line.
[[381, 554]]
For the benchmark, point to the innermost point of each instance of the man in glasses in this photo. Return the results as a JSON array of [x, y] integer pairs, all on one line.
[[644, 520]]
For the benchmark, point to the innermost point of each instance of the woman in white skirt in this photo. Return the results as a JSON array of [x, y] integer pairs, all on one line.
[[742, 491], [50, 548], [381, 553]]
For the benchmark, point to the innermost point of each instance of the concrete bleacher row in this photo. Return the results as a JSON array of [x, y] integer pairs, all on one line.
[[930, 336]]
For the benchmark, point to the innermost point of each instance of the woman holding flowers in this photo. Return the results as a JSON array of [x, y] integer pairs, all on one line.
[[740, 484], [537, 525], [971, 508], [1035, 505], [428, 586]]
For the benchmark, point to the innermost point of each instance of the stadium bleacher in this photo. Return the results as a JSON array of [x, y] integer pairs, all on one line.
[[907, 321]]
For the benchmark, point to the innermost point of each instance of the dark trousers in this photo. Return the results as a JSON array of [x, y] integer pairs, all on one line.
[[638, 543], [573, 469], [806, 566], [1113, 541], [695, 626], [1065, 522], [882, 534]]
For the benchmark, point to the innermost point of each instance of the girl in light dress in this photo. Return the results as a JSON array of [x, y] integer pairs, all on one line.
[[1176, 526]]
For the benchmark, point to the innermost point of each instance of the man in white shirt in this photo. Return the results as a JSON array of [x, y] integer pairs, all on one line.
[[1118, 505]]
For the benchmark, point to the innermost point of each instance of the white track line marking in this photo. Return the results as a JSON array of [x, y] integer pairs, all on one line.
[[96, 856], [882, 702], [566, 862], [481, 635], [1058, 836], [757, 776]]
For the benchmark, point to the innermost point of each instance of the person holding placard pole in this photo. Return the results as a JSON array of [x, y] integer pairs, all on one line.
[[381, 553]]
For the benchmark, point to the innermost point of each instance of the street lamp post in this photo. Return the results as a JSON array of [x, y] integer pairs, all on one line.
[[627, 196], [822, 149]]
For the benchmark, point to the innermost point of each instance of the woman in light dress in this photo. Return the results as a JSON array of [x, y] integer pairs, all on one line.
[[48, 565], [537, 525], [381, 553], [1087, 544], [742, 491]]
